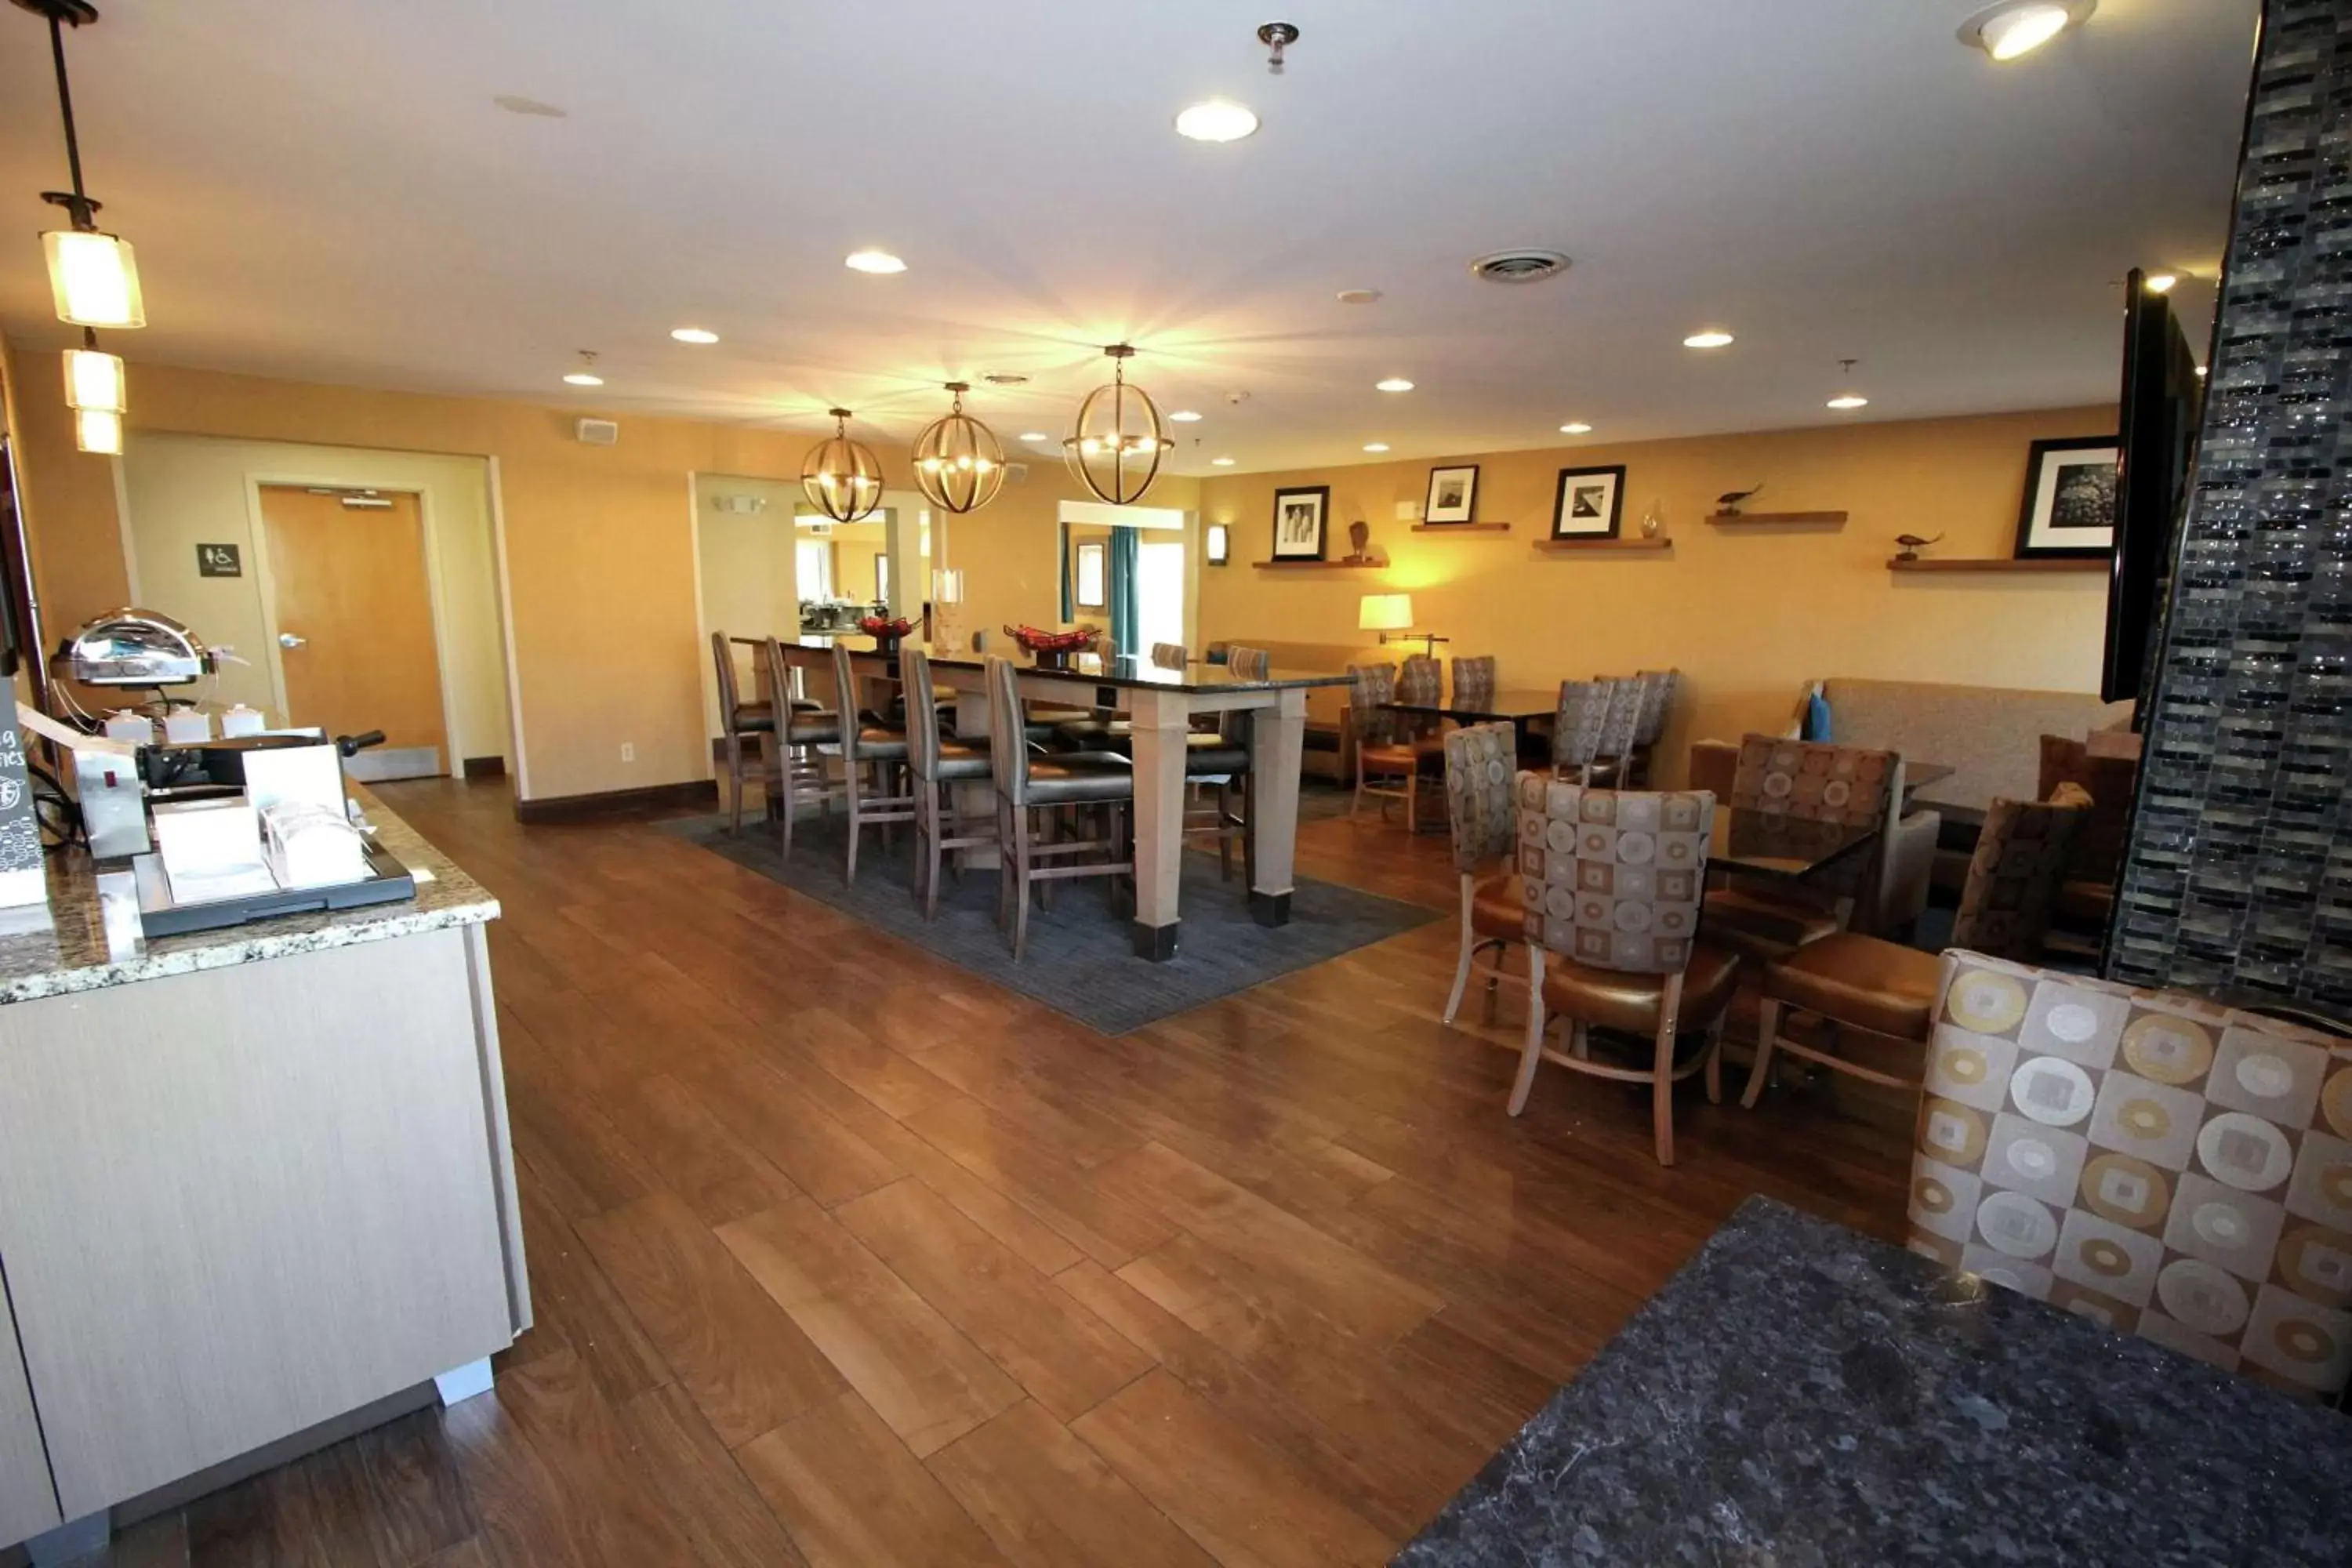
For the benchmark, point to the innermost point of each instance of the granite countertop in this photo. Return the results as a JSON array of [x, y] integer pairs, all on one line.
[[1799, 1394], [72, 956]]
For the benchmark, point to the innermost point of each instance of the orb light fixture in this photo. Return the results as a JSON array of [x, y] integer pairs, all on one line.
[[1115, 447], [841, 477], [958, 462]]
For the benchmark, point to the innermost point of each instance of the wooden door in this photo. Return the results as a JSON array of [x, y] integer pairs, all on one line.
[[355, 615]]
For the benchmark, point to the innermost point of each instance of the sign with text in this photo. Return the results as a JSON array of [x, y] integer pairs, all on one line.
[[219, 561]]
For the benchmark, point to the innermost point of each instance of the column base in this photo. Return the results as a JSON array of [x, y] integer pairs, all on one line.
[[1157, 943], [463, 1383], [1270, 908], [70, 1542]]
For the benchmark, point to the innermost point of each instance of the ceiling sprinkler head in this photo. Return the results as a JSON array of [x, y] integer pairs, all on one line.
[[1277, 36]]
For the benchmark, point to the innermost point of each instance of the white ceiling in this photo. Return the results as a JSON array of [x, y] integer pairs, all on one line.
[[325, 191]]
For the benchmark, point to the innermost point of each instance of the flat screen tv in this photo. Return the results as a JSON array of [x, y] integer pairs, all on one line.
[[2162, 400]]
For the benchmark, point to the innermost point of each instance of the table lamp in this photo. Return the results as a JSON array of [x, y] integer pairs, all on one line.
[[1393, 613]]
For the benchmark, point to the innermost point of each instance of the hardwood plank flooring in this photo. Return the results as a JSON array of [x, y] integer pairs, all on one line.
[[842, 1257]]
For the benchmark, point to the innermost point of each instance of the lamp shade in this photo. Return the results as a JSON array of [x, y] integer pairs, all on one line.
[[94, 380], [1385, 612], [93, 278], [98, 430]]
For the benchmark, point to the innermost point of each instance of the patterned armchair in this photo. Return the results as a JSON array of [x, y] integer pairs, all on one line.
[[1479, 760], [1611, 882], [2154, 1162]]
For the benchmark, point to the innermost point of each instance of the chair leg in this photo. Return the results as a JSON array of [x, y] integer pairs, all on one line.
[[1715, 1064], [1661, 1072], [1768, 1035], [1021, 880], [1003, 863], [1225, 834], [791, 798], [1356, 802], [735, 776], [1494, 980], [849, 782], [1531, 1052], [932, 833], [1469, 951]]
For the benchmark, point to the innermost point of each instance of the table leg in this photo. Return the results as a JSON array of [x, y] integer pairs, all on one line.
[[1277, 747], [1161, 720]]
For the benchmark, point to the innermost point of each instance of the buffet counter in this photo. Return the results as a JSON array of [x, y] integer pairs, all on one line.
[[254, 1183]]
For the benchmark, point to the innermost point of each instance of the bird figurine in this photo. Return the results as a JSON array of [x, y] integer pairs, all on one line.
[[1729, 501], [1912, 545]]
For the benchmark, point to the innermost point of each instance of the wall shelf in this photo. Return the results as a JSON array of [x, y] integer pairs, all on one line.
[[1571, 546], [1462, 528], [1778, 518], [1320, 565], [2035, 564]]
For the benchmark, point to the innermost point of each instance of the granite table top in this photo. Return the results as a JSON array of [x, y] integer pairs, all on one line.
[[1798, 1395], [73, 955]]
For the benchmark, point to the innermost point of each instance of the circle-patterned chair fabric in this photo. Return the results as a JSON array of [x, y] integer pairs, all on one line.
[[2156, 1162], [1479, 760], [1611, 878], [1814, 781]]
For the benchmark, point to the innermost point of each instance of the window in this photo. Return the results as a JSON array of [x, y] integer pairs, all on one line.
[[813, 567]]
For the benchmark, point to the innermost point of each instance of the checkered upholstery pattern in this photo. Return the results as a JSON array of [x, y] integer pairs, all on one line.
[[1581, 722], [2159, 1163], [1813, 780], [1622, 721], [1479, 759], [1613, 879]]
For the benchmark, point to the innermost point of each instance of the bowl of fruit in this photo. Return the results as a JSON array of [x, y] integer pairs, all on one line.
[[1052, 650], [885, 632]]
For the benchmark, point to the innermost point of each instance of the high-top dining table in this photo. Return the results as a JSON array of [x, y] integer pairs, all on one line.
[[1160, 705]]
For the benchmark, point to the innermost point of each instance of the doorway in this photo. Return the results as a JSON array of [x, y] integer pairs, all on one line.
[[352, 604]]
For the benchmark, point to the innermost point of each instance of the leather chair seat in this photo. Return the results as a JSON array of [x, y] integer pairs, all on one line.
[[1040, 714], [1497, 910], [959, 761], [1860, 980], [1211, 756], [1399, 756], [1757, 925], [1611, 1000], [815, 729], [879, 744], [1078, 777], [753, 719]]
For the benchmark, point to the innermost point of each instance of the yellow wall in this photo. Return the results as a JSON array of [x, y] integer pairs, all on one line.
[[1009, 551], [1747, 615]]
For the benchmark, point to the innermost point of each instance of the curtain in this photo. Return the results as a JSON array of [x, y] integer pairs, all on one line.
[[1066, 599], [1126, 598]]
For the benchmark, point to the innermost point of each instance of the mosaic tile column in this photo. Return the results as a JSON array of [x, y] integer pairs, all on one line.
[[2240, 868]]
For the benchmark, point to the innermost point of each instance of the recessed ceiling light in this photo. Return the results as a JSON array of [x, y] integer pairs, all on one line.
[[584, 378], [1221, 462], [874, 261], [1712, 338], [1035, 436], [2016, 27], [1218, 120], [515, 103], [1186, 416], [694, 334], [1360, 296], [2200, 373], [1394, 384], [1375, 445], [1576, 428], [2162, 282], [1848, 400]]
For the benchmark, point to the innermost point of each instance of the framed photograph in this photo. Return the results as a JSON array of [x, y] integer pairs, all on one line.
[[1590, 503], [1220, 544], [1094, 576], [1300, 518], [2069, 498], [1452, 494]]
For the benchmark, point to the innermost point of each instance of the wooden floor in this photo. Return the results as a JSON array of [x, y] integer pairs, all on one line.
[[842, 1257]]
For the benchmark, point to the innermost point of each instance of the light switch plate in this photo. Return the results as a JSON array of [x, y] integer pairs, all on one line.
[[1408, 512]]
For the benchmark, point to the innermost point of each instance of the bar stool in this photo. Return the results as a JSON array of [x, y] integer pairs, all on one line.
[[938, 766], [865, 745], [738, 719], [1024, 784], [805, 730]]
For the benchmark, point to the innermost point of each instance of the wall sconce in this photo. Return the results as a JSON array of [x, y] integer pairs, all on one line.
[[1220, 544]]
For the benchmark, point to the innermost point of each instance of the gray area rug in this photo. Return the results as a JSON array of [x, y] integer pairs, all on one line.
[[1080, 961]]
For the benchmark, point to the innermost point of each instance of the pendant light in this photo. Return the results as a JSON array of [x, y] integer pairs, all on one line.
[[97, 393], [93, 275], [842, 478], [1115, 448], [958, 462]]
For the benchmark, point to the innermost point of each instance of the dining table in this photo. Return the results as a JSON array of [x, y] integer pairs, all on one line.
[[1775, 844], [1160, 705], [1799, 1394]]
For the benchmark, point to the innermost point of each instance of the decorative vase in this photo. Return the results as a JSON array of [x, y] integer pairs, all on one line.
[[1359, 534], [1650, 522]]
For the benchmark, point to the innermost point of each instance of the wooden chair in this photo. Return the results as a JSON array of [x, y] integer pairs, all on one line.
[[1480, 761], [938, 766], [1389, 744], [1855, 982], [866, 746], [1025, 784], [739, 721], [1612, 882], [803, 766]]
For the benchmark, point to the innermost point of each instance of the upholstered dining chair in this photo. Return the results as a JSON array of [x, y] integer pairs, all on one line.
[[1374, 728], [1025, 784], [1248, 663], [1621, 724], [2152, 1161], [1659, 690], [938, 766], [867, 745], [1851, 981], [1480, 760], [1474, 682], [1169, 656], [806, 779], [1611, 884], [740, 722], [1582, 727], [1812, 782]]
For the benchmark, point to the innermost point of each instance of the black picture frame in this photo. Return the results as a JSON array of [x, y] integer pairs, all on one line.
[[1465, 509], [1093, 557], [1217, 545], [2043, 529], [1289, 522], [1578, 514]]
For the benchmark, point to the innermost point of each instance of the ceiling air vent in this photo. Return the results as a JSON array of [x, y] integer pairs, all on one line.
[[1520, 266], [598, 432]]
